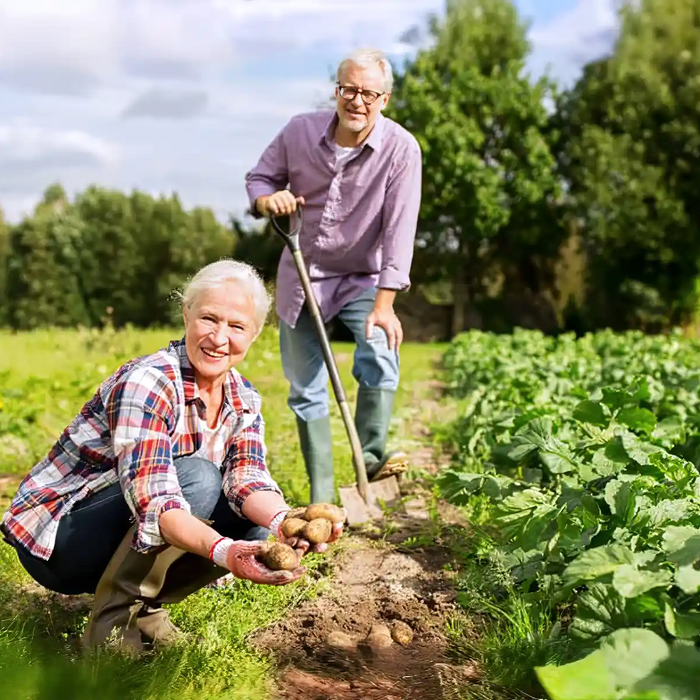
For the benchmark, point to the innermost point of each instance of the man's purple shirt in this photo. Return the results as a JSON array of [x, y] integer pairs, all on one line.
[[359, 224]]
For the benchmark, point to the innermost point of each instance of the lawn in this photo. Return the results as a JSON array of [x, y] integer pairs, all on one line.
[[45, 377]]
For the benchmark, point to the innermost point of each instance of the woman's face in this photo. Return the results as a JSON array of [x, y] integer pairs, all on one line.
[[219, 329]]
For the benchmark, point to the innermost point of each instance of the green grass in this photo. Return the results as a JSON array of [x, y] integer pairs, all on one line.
[[45, 377]]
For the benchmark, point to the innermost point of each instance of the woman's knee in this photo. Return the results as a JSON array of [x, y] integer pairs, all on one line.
[[201, 482]]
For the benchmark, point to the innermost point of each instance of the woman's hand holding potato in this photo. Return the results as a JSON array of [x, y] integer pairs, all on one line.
[[249, 560], [276, 563], [312, 528]]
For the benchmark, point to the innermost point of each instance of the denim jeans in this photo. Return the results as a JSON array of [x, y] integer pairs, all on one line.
[[89, 535], [374, 364]]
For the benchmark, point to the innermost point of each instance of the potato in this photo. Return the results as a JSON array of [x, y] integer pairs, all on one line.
[[327, 511], [296, 513], [379, 637], [293, 527], [402, 633], [279, 556], [340, 640], [317, 531]]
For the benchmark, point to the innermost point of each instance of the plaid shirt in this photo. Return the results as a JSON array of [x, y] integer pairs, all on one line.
[[141, 418]]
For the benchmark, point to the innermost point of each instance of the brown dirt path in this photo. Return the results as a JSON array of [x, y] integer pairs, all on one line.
[[373, 581], [398, 571]]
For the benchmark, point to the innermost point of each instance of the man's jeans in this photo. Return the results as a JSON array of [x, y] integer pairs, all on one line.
[[375, 365], [89, 535]]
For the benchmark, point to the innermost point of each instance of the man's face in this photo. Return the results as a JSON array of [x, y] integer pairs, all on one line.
[[356, 114]]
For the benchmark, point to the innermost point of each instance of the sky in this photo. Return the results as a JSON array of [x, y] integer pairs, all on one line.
[[183, 95]]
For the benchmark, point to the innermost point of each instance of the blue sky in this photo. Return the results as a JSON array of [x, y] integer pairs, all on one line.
[[183, 95]]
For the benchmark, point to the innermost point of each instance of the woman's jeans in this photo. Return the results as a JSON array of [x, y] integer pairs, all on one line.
[[89, 535]]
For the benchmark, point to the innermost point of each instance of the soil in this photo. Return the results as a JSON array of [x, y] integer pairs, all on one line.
[[377, 577], [373, 581]]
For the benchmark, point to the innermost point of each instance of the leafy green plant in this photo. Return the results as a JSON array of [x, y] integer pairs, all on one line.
[[587, 452]]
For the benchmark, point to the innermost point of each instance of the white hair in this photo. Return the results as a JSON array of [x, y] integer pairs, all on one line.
[[225, 270], [369, 58]]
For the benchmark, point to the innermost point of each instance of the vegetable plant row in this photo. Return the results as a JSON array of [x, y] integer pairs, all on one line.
[[588, 452]]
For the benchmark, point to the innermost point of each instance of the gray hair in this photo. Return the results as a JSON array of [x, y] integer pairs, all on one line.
[[368, 58], [226, 270]]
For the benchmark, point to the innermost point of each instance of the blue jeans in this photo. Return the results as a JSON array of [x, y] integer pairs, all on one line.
[[89, 535], [374, 364]]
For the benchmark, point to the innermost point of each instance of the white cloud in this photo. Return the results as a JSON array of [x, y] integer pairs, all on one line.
[[573, 31], [30, 144], [167, 104], [573, 38], [65, 47], [216, 79]]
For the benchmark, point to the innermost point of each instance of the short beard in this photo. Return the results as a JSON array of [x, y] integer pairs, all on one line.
[[353, 126]]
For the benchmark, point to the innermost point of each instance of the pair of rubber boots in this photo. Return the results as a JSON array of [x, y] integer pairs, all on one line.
[[373, 413], [127, 613]]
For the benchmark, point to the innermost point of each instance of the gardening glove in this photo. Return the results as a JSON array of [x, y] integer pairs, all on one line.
[[240, 558]]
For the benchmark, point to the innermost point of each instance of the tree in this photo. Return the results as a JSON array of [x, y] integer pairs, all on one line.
[[44, 275], [489, 212], [4, 261], [628, 146], [107, 254]]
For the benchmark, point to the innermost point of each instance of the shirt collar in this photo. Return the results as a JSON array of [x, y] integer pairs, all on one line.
[[238, 392], [374, 140]]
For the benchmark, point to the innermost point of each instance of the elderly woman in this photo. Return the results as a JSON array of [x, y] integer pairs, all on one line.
[[159, 486]]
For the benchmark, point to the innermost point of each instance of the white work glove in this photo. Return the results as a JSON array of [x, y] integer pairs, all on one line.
[[240, 558]]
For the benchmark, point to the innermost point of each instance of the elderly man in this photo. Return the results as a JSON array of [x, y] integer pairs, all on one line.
[[358, 176]]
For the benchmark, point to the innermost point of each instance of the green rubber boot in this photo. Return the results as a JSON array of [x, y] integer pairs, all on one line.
[[372, 418], [317, 448]]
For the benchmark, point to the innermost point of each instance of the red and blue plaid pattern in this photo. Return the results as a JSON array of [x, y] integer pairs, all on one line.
[[141, 418]]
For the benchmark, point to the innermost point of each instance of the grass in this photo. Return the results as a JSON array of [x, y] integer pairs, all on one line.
[[45, 377]]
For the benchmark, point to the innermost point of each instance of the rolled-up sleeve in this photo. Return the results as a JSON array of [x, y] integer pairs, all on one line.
[[141, 418], [245, 468], [400, 217], [270, 174]]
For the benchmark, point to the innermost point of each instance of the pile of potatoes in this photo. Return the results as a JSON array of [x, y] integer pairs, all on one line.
[[380, 637], [313, 523]]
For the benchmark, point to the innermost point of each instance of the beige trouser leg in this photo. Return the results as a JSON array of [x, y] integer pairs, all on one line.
[[129, 580]]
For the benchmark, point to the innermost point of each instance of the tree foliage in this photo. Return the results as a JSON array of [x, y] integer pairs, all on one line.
[[4, 255], [489, 209], [106, 254], [628, 146]]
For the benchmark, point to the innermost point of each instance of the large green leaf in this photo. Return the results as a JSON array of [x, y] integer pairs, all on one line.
[[586, 679], [682, 544], [591, 412], [637, 419], [682, 625], [631, 655], [687, 579], [621, 499], [630, 582], [625, 659], [676, 677], [597, 562]]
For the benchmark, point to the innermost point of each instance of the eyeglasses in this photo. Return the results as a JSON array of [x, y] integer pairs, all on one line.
[[349, 93]]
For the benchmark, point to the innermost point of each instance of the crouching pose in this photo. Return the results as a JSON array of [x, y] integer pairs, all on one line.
[[159, 486]]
